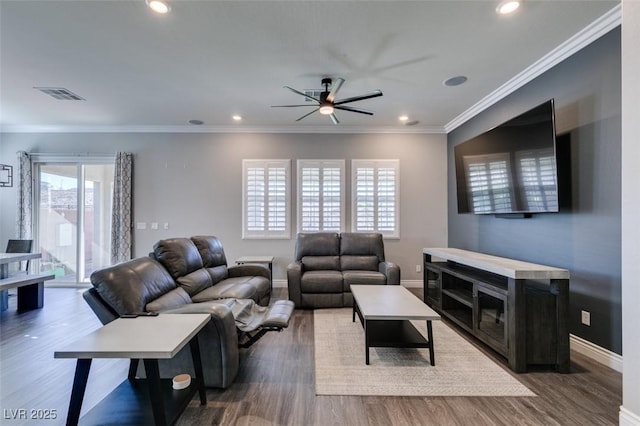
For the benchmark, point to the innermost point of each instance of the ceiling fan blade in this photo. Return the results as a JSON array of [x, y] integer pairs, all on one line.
[[374, 94], [334, 89], [334, 119], [289, 106], [308, 114], [347, 108], [302, 93]]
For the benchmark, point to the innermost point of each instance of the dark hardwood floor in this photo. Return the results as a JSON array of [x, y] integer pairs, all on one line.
[[275, 385]]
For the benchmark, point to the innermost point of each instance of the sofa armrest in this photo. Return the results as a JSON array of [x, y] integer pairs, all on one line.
[[218, 345], [103, 311], [294, 281], [391, 271], [221, 316], [248, 270]]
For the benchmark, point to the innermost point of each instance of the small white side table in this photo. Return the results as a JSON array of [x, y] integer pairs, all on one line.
[[262, 260], [149, 339]]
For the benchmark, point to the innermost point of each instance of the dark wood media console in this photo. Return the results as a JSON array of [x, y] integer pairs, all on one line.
[[519, 309]]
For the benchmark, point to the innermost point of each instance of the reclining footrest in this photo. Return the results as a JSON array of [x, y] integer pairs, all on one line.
[[254, 321]]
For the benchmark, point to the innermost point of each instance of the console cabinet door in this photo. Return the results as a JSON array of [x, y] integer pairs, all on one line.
[[491, 317]]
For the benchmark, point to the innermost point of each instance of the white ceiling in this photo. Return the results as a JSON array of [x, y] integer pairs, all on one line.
[[208, 60]]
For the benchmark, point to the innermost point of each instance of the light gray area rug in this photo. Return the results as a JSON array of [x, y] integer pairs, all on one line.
[[461, 369]]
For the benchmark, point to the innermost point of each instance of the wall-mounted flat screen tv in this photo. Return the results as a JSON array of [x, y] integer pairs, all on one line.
[[511, 168]]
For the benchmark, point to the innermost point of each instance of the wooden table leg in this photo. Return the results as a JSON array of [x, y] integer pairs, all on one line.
[[197, 366], [430, 337], [366, 343], [77, 391], [153, 382]]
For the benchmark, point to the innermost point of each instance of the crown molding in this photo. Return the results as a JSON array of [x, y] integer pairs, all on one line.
[[580, 40], [219, 129]]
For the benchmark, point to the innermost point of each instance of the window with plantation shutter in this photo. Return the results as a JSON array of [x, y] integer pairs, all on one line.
[[375, 197], [266, 195], [320, 195]]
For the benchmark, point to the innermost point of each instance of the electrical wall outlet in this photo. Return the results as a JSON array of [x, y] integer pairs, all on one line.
[[586, 318], [418, 268], [141, 225], [154, 225]]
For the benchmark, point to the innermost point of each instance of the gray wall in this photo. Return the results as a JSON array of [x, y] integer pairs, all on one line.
[[194, 182], [586, 237]]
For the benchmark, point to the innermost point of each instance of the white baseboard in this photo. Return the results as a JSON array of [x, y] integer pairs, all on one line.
[[627, 418], [596, 353]]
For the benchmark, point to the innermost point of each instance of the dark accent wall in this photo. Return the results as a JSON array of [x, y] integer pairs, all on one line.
[[585, 237]]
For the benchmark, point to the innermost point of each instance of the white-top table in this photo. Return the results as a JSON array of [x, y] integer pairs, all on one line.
[[510, 268], [7, 258], [30, 286], [386, 312], [147, 338], [262, 260]]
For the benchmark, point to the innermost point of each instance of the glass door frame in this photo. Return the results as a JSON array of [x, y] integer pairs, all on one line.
[[79, 161]]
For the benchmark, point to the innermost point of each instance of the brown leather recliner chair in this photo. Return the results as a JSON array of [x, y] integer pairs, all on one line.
[[327, 264]]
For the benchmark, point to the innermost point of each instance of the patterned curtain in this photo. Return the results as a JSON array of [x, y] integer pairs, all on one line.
[[121, 214], [25, 197]]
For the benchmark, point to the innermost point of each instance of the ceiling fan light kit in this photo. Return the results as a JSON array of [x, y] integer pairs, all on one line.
[[158, 6], [327, 103]]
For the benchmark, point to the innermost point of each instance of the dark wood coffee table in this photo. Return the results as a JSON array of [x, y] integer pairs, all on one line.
[[386, 311]]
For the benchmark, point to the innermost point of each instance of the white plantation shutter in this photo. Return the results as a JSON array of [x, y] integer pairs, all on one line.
[[488, 177], [266, 195], [320, 195], [375, 196], [537, 170]]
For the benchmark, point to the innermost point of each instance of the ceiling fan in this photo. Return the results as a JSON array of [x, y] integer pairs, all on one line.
[[327, 102]]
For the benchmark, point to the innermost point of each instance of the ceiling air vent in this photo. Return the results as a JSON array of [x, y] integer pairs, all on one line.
[[60, 93], [312, 92]]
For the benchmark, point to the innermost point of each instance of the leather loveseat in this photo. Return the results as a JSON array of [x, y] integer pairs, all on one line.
[[184, 276], [326, 264]]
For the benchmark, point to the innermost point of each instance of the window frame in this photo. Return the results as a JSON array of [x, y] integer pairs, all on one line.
[[376, 164], [321, 164], [266, 233]]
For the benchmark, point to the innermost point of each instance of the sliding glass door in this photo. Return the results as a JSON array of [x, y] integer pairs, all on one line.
[[74, 217]]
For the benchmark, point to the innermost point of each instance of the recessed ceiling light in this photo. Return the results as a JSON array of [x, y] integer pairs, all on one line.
[[403, 118], [236, 117], [158, 6], [196, 122], [455, 81], [508, 6]]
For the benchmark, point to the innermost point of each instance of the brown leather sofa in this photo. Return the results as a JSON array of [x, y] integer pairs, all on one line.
[[189, 275], [326, 264]]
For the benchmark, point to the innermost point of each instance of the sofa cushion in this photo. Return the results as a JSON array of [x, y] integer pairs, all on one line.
[[231, 288], [359, 244], [218, 273], [171, 300], [365, 263], [129, 286], [317, 244], [316, 263], [211, 251], [321, 282], [362, 277], [195, 282], [179, 256]]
